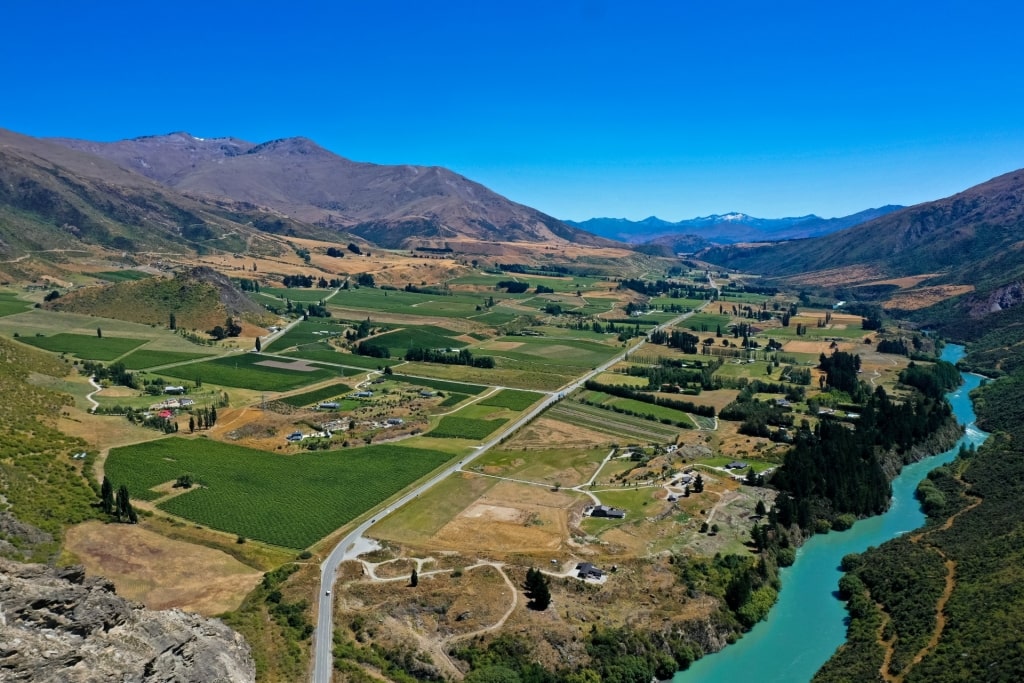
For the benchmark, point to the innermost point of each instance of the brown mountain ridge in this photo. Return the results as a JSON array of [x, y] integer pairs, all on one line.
[[392, 206]]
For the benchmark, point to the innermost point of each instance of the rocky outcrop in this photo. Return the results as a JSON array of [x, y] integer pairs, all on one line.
[[59, 625], [1000, 299]]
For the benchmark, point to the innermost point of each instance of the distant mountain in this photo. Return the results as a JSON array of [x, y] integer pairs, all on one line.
[[974, 238], [391, 206], [728, 228]]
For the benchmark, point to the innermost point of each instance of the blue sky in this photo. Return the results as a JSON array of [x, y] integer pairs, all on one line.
[[579, 108]]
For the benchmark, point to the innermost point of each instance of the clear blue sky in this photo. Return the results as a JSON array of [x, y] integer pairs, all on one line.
[[579, 108]]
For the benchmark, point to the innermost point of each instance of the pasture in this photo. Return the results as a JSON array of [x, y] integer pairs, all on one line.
[[286, 500], [562, 466], [299, 294], [127, 275], [243, 370], [84, 346]]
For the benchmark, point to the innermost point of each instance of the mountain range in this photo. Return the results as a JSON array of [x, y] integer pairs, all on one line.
[[390, 206], [973, 240], [728, 228]]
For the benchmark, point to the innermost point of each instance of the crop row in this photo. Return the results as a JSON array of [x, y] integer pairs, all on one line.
[[451, 427], [291, 500], [612, 423], [513, 399]]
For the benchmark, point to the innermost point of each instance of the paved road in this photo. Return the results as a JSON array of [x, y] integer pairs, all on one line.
[[353, 544]]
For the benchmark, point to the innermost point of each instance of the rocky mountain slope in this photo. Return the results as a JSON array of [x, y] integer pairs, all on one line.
[[57, 625], [392, 206], [724, 228]]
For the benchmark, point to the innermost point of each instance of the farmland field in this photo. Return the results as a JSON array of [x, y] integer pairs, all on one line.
[[10, 304], [325, 354], [440, 384], [452, 427], [147, 358], [317, 395], [561, 353], [422, 336], [286, 500], [624, 426], [512, 399], [84, 346], [307, 332], [121, 275], [306, 296], [241, 370]]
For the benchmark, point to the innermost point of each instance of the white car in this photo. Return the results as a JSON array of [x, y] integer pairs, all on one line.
[[328, 592]]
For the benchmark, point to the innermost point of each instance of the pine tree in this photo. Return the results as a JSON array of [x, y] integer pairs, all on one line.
[[414, 580], [123, 503], [698, 484], [191, 424], [107, 496], [173, 322], [213, 415], [99, 333], [259, 345]]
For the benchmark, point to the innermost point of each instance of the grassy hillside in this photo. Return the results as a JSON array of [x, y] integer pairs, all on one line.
[[43, 488], [196, 303]]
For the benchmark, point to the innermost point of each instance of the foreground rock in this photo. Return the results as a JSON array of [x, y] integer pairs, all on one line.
[[58, 625]]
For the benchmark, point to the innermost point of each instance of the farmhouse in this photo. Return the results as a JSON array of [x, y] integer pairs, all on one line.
[[294, 436], [586, 570], [608, 511], [327, 405], [174, 390]]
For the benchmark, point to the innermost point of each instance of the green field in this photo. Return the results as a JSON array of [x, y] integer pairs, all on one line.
[[10, 304], [241, 370], [513, 399], [325, 354], [149, 358], [121, 275], [317, 395], [287, 500], [451, 427], [395, 301], [307, 332], [306, 296], [659, 412], [565, 466], [440, 384], [575, 353], [84, 346], [703, 323], [419, 336]]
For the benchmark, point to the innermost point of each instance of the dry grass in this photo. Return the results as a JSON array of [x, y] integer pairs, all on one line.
[[915, 299], [159, 572]]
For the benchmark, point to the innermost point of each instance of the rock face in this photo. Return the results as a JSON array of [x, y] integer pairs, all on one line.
[[58, 625]]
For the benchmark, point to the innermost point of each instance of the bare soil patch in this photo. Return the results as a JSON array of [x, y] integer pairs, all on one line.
[[504, 346], [548, 433], [297, 366], [159, 572]]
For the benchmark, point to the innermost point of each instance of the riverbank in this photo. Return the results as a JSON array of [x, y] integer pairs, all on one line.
[[808, 623]]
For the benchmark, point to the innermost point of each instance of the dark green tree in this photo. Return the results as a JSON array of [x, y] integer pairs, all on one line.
[[698, 484], [259, 345], [414, 579], [99, 333], [173, 322], [107, 496]]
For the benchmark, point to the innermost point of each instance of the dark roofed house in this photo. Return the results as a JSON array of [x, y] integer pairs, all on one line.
[[608, 511], [328, 405], [586, 570]]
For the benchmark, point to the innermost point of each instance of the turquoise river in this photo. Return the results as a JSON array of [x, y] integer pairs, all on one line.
[[807, 624]]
